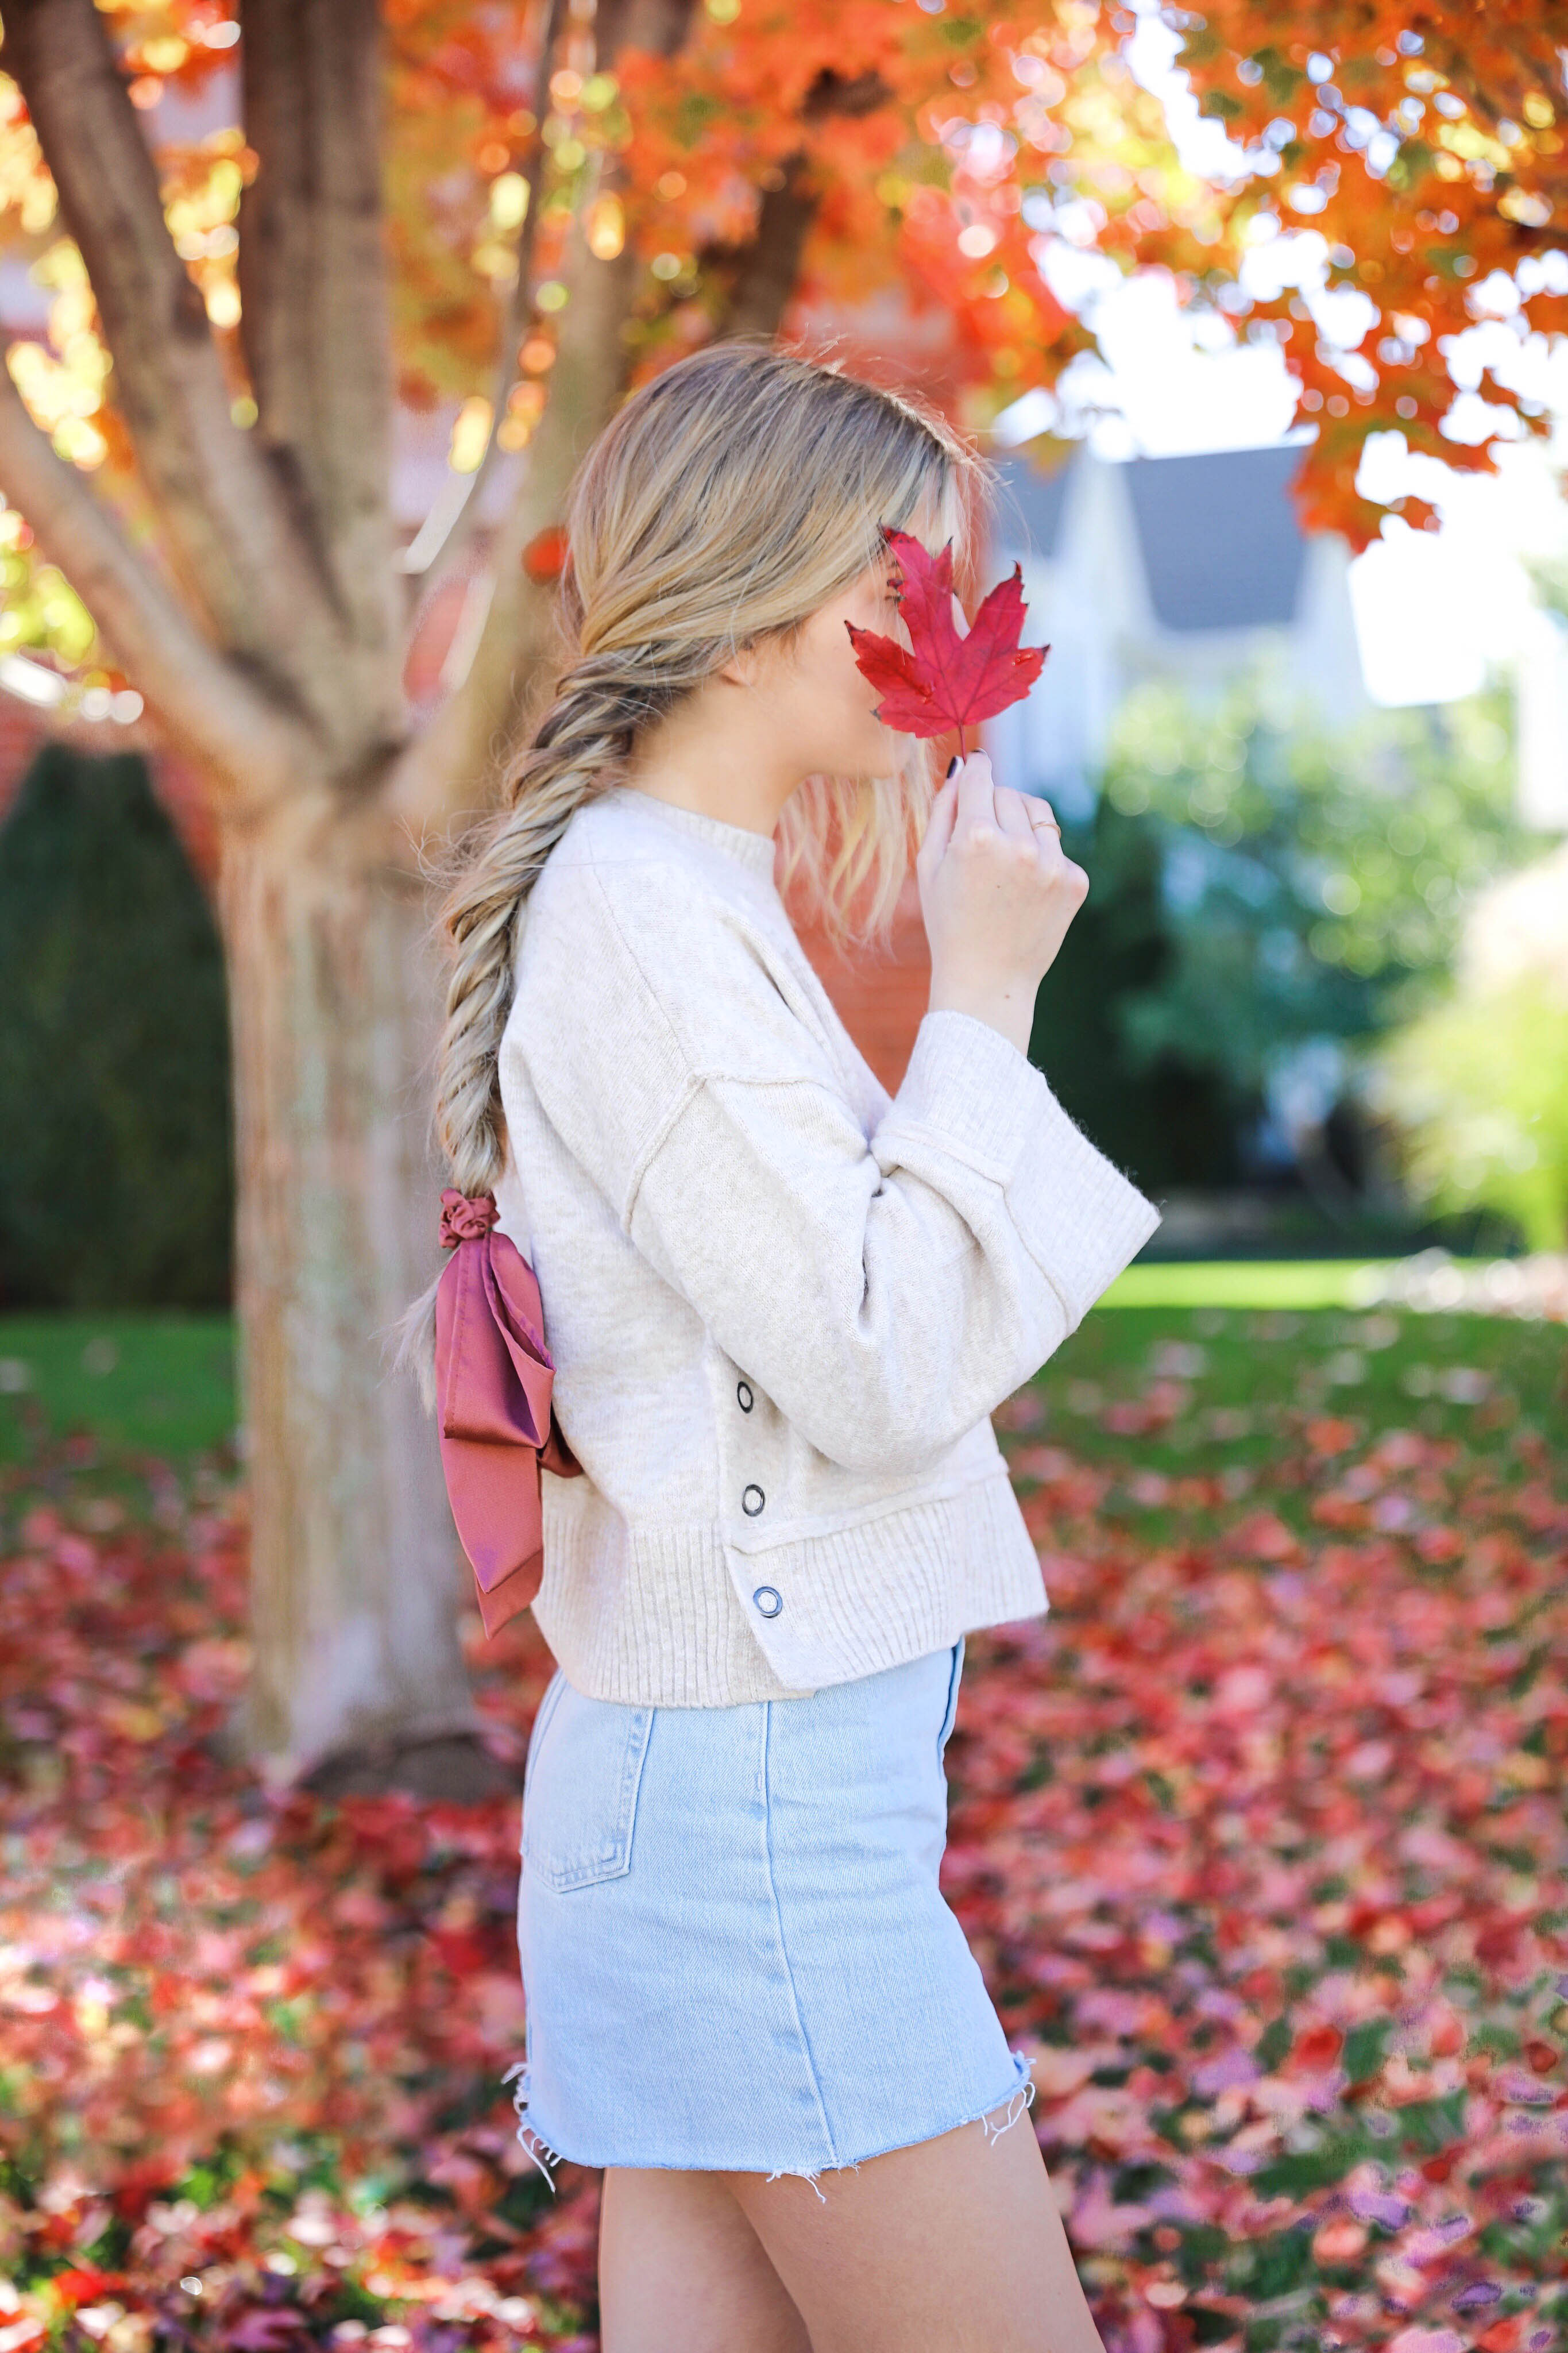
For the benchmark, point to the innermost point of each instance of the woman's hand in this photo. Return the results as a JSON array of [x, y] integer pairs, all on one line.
[[997, 895]]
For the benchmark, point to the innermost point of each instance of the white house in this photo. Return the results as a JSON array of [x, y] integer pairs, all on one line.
[[1192, 569], [1541, 678]]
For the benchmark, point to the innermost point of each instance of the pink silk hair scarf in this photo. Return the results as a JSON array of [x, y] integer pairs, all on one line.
[[493, 1382]]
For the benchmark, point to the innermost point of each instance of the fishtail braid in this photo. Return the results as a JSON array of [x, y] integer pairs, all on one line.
[[585, 735]]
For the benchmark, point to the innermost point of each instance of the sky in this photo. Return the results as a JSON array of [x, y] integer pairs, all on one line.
[[1433, 610]]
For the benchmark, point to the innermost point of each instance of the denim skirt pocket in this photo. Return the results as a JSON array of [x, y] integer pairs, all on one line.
[[580, 1796]]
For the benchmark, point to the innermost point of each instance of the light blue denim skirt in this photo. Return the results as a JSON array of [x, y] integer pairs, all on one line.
[[735, 1952]]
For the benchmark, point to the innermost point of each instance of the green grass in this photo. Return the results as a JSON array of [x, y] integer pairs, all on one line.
[[158, 1385], [1234, 1384], [1241, 1283], [1247, 1345]]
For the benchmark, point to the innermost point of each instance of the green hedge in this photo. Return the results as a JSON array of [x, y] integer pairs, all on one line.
[[1265, 898], [116, 1174]]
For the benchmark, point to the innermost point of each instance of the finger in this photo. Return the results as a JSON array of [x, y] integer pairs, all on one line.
[[1013, 814], [977, 794], [939, 825], [1071, 881], [1042, 814]]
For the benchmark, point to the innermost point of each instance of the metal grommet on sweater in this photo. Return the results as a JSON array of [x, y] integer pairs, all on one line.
[[743, 1396], [752, 1501], [769, 1601]]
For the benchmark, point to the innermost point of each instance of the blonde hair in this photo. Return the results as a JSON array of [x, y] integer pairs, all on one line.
[[728, 500]]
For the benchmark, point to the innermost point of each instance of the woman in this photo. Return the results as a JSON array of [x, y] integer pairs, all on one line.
[[781, 1309]]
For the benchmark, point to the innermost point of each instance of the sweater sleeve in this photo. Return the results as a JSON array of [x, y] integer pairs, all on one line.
[[885, 1293]]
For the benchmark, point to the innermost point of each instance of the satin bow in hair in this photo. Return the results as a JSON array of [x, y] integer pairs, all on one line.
[[493, 1381]]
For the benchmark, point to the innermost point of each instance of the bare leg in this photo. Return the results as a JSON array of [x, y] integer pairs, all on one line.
[[682, 2271], [955, 2243]]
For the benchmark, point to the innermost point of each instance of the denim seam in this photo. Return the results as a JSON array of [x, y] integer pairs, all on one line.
[[549, 1702], [950, 1712], [631, 1782], [783, 1947]]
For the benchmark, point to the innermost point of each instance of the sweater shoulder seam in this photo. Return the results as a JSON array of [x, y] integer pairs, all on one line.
[[661, 1127], [594, 869], [696, 1076], [700, 1069]]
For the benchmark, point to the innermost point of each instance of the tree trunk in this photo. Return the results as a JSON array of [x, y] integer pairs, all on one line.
[[358, 1680]]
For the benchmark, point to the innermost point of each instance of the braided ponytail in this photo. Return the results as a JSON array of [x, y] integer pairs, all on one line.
[[727, 501], [585, 732]]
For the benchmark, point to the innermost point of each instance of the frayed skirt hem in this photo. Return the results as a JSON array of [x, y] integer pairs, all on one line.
[[541, 2146]]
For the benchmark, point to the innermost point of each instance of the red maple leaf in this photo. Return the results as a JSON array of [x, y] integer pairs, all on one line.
[[942, 681]]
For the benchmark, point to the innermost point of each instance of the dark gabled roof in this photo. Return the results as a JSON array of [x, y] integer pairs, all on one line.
[[1221, 545], [1222, 548], [1029, 505]]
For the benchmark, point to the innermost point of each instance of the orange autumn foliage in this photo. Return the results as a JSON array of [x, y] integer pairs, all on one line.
[[925, 150], [1425, 143]]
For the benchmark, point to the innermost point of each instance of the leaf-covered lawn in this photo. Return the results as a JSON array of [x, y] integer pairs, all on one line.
[[1260, 1836]]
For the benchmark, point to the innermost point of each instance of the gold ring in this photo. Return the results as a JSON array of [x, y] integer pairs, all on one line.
[[1049, 821]]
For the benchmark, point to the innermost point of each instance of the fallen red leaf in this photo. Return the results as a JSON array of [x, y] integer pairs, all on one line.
[[1332, 1435], [84, 2284], [941, 681], [1252, 1787], [1318, 2047], [265, 2329]]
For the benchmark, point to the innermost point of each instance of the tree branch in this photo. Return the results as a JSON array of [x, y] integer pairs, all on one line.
[[232, 538], [315, 317], [514, 318], [769, 267], [453, 768], [206, 701]]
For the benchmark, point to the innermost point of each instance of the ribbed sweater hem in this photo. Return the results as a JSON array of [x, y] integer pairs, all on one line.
[[663, 1617]]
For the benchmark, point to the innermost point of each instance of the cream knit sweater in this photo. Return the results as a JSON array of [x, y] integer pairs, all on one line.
[[781, 1305]]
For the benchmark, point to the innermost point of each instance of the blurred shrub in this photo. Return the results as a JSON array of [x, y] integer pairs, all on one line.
[[115, 1177], [1480, 1087], [1264, 897], [1163, 1115], [39, 609], [1478, 1082]]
